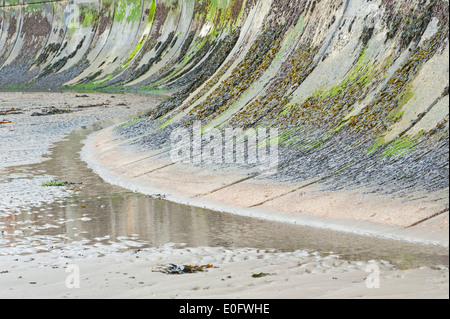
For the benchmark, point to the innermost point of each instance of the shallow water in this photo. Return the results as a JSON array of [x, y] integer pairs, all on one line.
[[96, 214]]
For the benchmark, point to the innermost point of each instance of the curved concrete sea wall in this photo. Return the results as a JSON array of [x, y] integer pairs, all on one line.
[[358, 89]]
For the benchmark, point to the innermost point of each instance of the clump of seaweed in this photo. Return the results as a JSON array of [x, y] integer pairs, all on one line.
[[374, 117], [198, 76], [56, 184], [255, 63], [10, 111], [51, 111], [173, 269], [270, 105]]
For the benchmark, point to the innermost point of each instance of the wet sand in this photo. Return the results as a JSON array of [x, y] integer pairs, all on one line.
[[123, 267]]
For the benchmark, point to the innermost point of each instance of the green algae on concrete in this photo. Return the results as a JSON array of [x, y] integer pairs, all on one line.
[[336, 78]]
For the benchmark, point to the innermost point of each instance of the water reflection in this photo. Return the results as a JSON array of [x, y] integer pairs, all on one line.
[[100, 213]]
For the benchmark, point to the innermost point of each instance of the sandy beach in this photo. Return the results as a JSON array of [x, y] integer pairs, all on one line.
[[285, 276], [55, 265]]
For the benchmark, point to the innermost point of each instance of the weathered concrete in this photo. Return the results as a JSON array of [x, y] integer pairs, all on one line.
[[358, 89]]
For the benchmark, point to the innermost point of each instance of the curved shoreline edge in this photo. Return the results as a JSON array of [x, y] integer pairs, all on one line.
[[116, 163], [357, 88]]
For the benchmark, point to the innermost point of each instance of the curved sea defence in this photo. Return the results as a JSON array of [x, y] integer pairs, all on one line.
[[358, 91]]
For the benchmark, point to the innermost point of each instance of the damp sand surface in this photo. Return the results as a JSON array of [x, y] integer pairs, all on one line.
[[118, 240]]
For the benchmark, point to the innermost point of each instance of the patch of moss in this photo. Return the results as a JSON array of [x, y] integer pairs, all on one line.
[[54, 183], [401, 146]]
